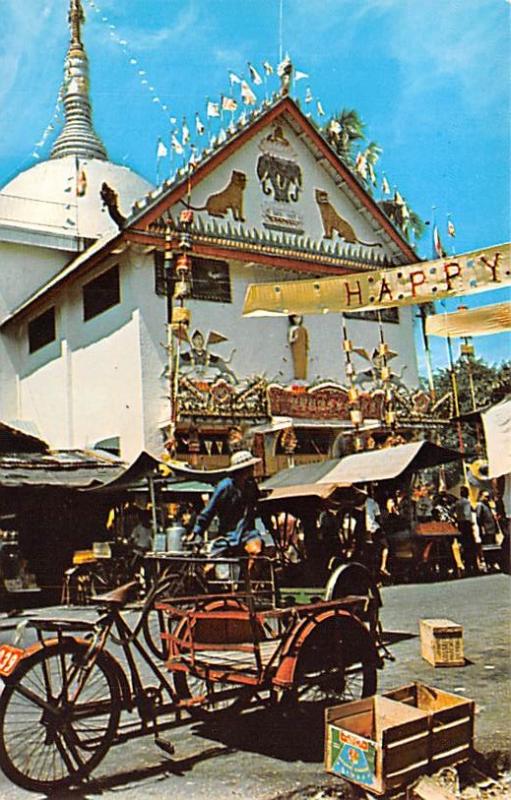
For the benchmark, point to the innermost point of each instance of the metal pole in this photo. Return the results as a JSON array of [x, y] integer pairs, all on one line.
[[152, 496]]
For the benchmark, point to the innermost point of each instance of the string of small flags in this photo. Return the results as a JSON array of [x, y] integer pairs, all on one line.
[[212, 123], [134, 63], [56, 119]]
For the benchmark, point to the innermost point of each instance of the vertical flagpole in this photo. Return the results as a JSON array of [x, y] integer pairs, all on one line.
[[455, 392], [427, 351], [353, 395], [281, 18]]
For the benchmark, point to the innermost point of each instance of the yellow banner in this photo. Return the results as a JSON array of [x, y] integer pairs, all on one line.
[[478, 271]]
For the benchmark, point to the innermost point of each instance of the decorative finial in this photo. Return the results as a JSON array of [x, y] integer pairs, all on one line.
[[78, 137], [75, 18], [285, 73]]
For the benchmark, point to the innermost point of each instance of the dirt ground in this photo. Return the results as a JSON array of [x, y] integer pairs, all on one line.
[[256, 757]]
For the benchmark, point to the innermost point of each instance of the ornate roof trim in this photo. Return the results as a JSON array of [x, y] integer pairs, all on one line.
[[147, 210]]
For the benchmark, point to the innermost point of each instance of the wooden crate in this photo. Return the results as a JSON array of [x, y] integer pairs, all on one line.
[[451, 721], [376, 743], [442, 642]]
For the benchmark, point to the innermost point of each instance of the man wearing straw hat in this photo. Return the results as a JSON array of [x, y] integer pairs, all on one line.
[[234, 504]]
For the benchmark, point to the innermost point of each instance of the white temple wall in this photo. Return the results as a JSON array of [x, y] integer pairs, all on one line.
[[23, 270], [105, 377]]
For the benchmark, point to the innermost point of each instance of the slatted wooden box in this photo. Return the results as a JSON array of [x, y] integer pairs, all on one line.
[[442, 642], [451, 721], [376, 743]]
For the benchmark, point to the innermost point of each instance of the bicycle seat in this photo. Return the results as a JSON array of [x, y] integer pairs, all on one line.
[[118, 596]]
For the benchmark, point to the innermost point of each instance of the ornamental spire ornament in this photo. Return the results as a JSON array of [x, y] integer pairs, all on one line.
[[78, 137]]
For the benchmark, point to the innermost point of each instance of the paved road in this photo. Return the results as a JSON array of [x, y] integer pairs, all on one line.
[[255, 758]]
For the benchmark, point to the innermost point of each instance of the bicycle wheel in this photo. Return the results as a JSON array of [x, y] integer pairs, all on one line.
[[58, 719], [334, 666], [156, 622], [355, 579]]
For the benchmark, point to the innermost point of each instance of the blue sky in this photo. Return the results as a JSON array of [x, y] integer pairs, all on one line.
[[430, 78]]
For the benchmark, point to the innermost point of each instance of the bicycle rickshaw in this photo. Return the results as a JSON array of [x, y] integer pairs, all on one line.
[[68, 698]]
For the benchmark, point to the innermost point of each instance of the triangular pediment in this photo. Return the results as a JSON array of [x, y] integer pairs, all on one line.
[[277, 183]]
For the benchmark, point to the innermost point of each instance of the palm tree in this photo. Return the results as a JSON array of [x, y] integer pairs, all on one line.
[[414, 225], [343, 130]]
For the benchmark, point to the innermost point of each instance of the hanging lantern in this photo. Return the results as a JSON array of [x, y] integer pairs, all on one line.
[[353, 394]]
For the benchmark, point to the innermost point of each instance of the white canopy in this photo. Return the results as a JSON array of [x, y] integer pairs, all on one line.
[[484, 321]]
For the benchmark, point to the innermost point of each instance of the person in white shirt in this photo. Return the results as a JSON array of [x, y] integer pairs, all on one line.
[[374, 532]]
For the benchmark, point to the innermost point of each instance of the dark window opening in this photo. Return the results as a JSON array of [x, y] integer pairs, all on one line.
[[41, 330], [101, 293], [210, 279], [385, 314]]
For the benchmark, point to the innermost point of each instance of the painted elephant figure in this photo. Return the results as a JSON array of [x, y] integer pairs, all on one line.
[[282, 176]]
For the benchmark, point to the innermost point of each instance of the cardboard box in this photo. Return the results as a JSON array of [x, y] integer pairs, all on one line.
[[442, 642], [451, 721], [377, 743]]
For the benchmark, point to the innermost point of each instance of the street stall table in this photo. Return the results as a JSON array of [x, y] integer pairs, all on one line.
[[438, 549]]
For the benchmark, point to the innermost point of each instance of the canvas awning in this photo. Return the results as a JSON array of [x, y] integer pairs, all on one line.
[[373, 465], [389, 463], [497, 431], [484, 321], [61, 469], [328, 494]]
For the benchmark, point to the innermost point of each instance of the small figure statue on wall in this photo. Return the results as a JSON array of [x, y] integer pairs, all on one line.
[[298, 339]]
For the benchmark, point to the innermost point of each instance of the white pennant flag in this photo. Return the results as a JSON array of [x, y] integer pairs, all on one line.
[[283, 66], [193, 160], [222, 137], [185, 132], [233, 78], [372, 173], [256, 78], [361, 165], [385, 186], [229, 103], [247, 94], [161, 150], [213, 109], [308, 96], [299, 76], [320, 108], [268, 68], [199, 126], [176, 145]]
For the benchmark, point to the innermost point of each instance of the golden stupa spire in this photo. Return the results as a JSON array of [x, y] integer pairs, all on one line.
[[78, 137]]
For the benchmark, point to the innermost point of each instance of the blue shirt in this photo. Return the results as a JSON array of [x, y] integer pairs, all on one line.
[[234, 507]]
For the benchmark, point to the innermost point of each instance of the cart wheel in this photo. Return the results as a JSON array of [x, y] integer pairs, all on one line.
[[355, 579], [334, 666]]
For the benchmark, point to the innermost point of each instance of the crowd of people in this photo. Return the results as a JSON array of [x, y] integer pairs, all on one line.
[[388, 529]]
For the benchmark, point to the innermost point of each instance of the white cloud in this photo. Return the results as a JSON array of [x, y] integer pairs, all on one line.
[[27, 71]]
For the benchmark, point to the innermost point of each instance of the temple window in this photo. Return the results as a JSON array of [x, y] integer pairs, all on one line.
[[101, 293], [210, 279], [41, 330]]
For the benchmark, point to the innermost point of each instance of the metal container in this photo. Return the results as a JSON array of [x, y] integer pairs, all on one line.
[[175, 535]]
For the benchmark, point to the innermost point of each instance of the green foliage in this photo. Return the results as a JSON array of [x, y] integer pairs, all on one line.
[[491, 382], [343, 130]]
